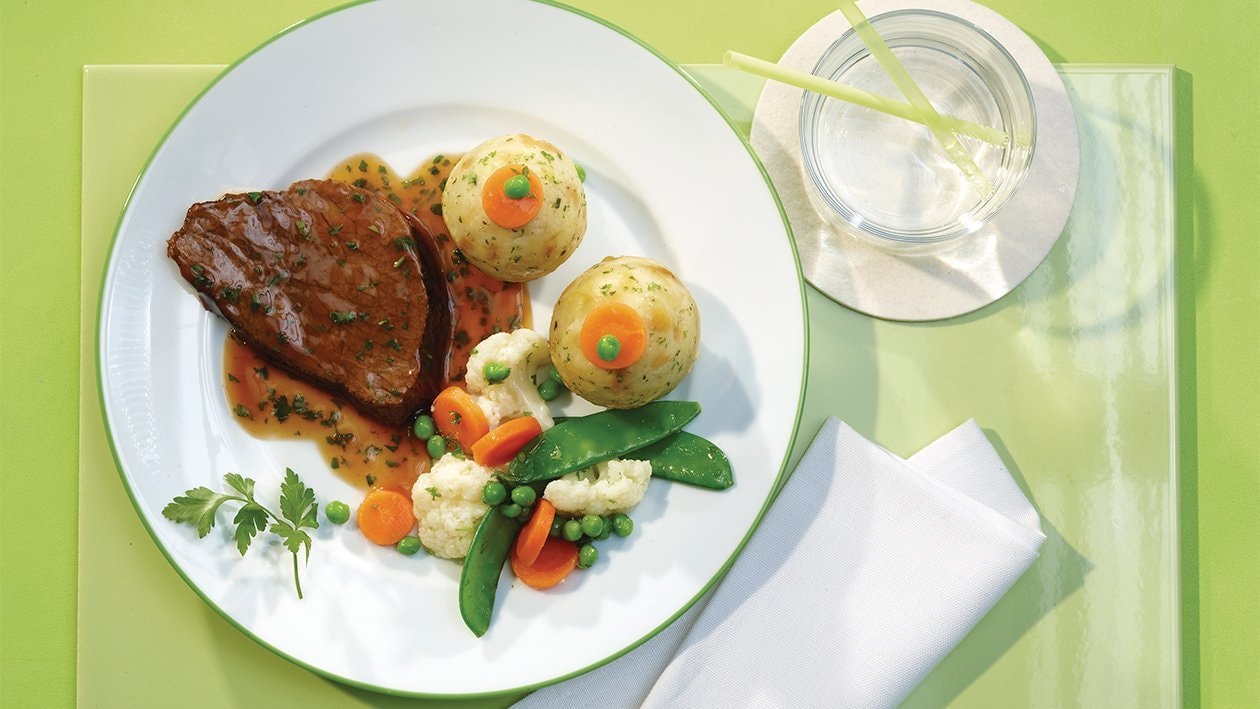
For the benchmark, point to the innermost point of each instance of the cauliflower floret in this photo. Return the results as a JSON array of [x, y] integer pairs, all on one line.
[[448, 506], [608, 488], [526, 355]]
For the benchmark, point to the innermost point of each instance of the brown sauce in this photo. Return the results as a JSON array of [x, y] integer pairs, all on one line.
[[270, 403]]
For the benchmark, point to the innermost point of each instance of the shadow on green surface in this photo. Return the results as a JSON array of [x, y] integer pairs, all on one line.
[[1051, 54], [1057, 574], [1191, 205]]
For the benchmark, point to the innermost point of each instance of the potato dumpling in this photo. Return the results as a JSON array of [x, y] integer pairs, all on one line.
[[625, 332], [515, 207]]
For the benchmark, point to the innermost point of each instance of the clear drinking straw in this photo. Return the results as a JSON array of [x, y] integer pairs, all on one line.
[[857, 96], [901, 78]]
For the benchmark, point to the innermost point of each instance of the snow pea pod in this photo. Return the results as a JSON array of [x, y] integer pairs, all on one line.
[[577, 443], [687, 458], [479, 580]]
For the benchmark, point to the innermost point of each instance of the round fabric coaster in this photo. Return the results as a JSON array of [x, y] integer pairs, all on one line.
[[983, 266]]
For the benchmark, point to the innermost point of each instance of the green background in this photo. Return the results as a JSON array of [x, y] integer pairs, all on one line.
[[44, 45]]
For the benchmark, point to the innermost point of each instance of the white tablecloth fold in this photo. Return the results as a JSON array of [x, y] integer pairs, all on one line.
[[863, 575]]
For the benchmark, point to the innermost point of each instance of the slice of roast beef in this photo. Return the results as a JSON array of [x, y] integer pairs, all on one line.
[[330, 282]]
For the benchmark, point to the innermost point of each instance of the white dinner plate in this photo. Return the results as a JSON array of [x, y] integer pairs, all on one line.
[[669, 178]]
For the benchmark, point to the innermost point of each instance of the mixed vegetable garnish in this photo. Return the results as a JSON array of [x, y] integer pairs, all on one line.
[[551, 543], [512, 485]]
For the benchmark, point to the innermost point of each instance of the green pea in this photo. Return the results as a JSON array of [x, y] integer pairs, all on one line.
[[606, 532], [436, 446], [511, 510], [587, 556], [581, 172], [592, 525], [516, 187], [493, 493], [408, 545], [557, 525], [496, 372], [554, 374], [424, 428], [548, 390], [608, 348], [337, 512], [572, 530], [524, 495], [622, 525]]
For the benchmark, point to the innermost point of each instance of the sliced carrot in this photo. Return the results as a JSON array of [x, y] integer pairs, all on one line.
[[557, 558], [500, 445], [458, 416], [505, 211], [534, 534], [622, 322], [386, 516]]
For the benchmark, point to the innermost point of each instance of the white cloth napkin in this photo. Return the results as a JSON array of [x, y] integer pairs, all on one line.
[[863, 575]]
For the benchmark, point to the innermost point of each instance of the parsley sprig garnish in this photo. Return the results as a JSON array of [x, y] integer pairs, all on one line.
[[298, 511]]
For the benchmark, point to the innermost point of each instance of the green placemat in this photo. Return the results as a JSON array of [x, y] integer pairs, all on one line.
[[1073, 376]]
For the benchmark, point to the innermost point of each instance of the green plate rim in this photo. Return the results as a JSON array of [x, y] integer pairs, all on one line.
[[779, 479]]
